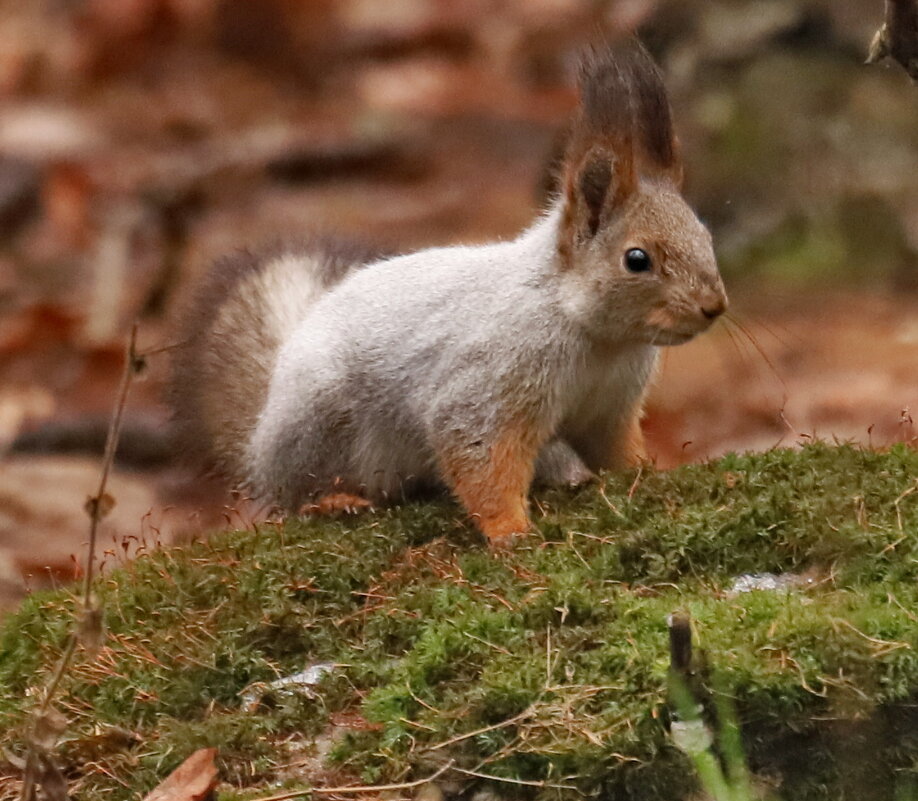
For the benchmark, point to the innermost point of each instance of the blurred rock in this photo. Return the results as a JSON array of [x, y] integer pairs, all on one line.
[[20, 183], [44, 132], [19, 405], [43, 529]]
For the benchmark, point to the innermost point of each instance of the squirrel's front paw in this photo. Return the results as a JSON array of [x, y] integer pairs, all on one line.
[[505, 532]]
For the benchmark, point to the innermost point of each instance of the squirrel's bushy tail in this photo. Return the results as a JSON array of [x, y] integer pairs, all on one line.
[[229, 336]]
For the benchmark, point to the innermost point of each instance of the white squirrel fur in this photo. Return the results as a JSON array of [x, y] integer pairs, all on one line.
[[442, 335]]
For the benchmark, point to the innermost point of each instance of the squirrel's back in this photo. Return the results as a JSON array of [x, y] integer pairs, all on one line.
[[230, 334]]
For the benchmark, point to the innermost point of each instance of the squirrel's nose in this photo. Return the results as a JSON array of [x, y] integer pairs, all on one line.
[[713, 307]]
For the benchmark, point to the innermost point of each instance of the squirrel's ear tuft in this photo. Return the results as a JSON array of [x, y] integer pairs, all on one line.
[[624, 100], [654, 135], [606, 94]]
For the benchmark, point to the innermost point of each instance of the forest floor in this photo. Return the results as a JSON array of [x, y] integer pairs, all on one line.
[[543, 667], [141, 141]]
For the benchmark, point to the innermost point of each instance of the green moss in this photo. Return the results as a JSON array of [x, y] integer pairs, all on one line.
[[545, 663]]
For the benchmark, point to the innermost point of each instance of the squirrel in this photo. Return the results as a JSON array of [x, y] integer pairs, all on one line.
[[317, 371]]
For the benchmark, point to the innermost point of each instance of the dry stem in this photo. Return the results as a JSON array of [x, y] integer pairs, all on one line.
[[97, 509], [373, 788]]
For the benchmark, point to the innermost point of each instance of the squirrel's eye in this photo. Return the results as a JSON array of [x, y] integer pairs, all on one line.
[[637, 261]]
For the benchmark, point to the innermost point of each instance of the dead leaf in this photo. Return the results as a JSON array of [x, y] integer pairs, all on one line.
[[67, 197], [193, 780]]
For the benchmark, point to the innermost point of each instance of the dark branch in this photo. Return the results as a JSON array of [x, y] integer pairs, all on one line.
[[898, 38]]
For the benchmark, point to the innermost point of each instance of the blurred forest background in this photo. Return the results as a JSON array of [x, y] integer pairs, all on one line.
[[140, 139]]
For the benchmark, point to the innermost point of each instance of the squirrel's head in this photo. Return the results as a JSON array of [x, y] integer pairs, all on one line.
[[637, 262]]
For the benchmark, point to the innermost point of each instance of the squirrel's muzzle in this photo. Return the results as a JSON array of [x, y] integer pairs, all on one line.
[[714, 306]]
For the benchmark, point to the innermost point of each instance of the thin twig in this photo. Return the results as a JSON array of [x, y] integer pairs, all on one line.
[[133, 365], [460, 737], [612, 506], [636, 483], [372, 788], [111, 444], [898, 37]]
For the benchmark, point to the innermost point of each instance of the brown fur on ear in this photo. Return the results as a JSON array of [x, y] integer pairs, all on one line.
[[624, 102], [654, 135], [597, 181], [594, 186], [623, 130]]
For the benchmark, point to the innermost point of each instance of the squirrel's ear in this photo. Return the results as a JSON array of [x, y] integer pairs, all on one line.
[[600, 185], [595, 186]]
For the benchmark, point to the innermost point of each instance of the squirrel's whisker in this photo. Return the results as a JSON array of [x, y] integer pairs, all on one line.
[[760, 351]]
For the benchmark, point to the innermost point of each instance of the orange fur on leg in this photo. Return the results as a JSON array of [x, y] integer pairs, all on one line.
[[634, 449], [494, 489]]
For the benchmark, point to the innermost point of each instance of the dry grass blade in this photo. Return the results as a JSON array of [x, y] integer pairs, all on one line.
[[465, 736], [357, 789], [521, 782]]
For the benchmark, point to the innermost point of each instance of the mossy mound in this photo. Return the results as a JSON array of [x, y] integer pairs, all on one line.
[[555, 653]]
